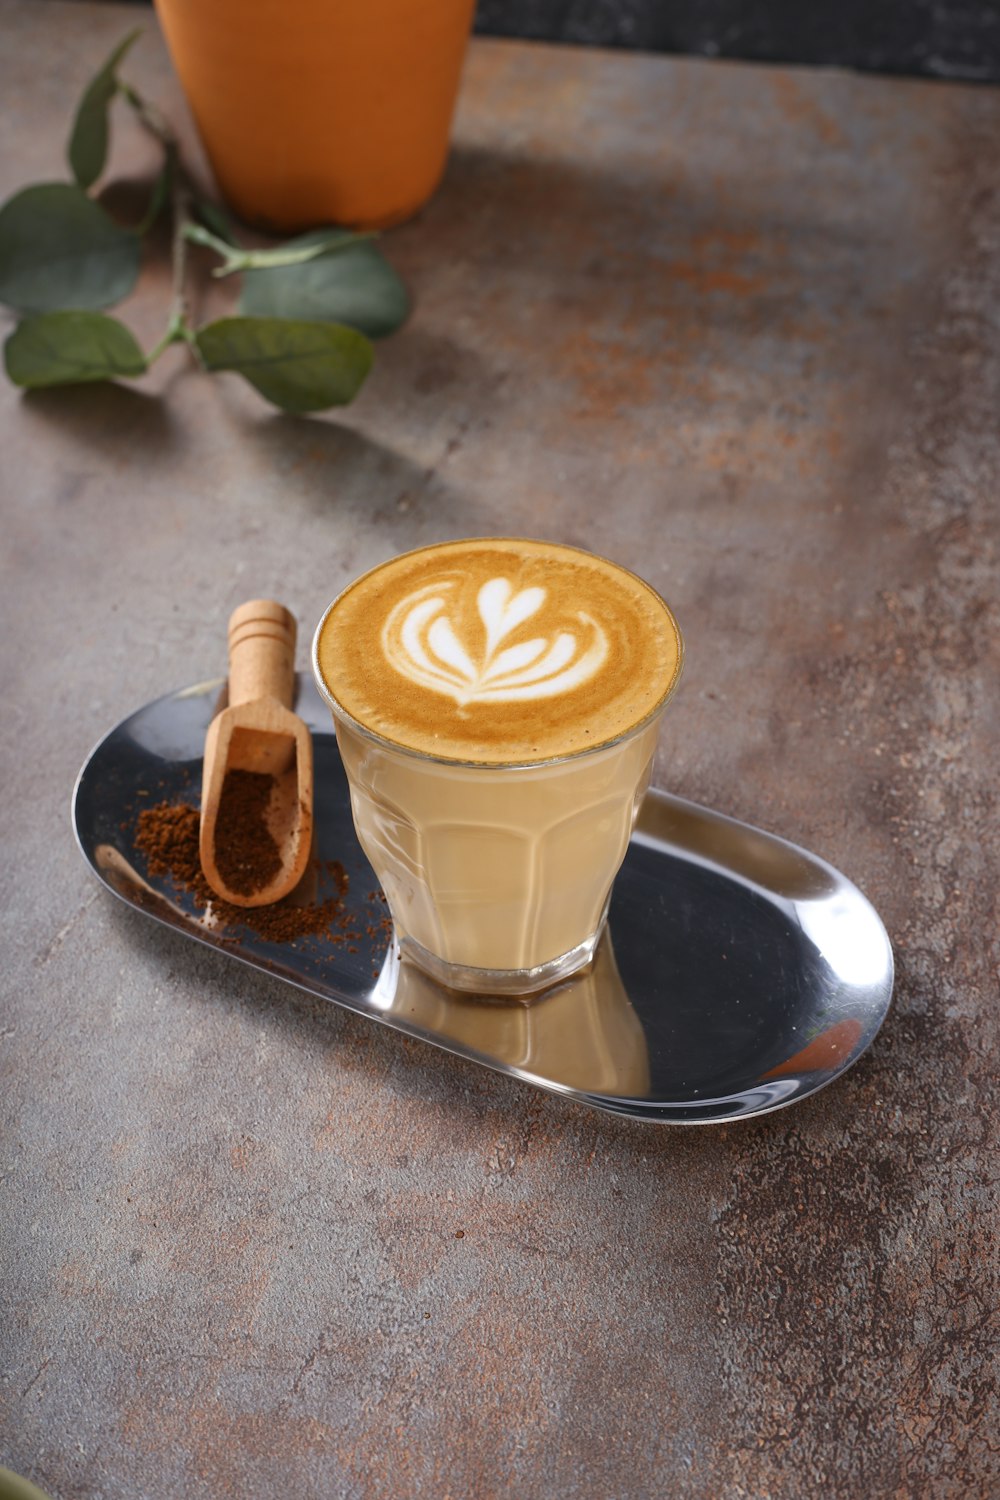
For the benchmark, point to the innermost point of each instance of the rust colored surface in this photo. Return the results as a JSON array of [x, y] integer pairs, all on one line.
[[736, 327]]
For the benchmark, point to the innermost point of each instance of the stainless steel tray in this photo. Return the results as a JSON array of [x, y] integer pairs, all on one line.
[[739, 972]]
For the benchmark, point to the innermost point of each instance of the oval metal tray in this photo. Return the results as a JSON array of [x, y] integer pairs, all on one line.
[[739, 973]]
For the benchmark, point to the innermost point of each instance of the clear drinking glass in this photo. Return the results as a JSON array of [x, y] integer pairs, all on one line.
[[498, 878], [497, 875]]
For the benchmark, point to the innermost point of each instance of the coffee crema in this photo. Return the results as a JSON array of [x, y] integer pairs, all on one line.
[[498, 651]]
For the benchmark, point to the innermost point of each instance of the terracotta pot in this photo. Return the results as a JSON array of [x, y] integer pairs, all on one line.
[[321, 111]]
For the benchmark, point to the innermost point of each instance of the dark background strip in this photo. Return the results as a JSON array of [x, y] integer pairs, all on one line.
[[957, 39], [927, 38]]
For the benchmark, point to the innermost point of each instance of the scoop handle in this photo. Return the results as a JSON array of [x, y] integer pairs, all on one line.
[[261, 653]]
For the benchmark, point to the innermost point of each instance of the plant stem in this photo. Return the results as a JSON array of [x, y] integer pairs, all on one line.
[[292, 255], [178, 326], [236, 258], [150, 117], [197, 234]]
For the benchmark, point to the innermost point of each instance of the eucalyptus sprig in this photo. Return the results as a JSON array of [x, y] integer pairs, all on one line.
[[307, 312]]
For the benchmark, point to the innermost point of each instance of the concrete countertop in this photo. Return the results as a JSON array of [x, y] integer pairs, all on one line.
[[736, 327]]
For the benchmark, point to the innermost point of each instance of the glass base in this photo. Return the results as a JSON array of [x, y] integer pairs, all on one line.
[[501, 983]]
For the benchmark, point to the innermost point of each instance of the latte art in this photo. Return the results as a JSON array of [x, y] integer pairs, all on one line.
[[498, 651], [421, 641]]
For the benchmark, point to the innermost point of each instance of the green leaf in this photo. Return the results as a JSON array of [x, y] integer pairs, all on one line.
[[59, 249], [70, 348], [87, 149], [298, 366], [356, 286]]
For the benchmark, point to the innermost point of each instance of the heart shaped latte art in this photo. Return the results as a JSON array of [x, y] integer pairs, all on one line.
[[469, 661]]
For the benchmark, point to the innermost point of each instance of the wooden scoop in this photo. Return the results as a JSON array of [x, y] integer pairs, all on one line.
[[258, 734]]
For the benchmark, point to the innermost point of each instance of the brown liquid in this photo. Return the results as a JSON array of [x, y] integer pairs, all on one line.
[[499, 651], [489, 867]]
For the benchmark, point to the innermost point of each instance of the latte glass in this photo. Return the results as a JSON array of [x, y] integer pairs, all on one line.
[[497, 875]]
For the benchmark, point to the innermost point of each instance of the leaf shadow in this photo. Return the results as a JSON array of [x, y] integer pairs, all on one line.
[[326, 466], [98, 415], [127, 200], [422, 367]]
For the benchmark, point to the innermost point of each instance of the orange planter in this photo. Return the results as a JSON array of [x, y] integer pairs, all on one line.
[[321, 111]]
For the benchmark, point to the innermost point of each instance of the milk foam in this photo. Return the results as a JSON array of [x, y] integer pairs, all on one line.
[[498, 651], [424, 642]]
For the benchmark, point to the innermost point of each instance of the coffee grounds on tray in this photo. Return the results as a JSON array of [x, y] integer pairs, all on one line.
[[246, 854], [167, 835]]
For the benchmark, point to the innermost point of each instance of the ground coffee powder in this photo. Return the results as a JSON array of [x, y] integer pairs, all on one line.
[[167, 836], [246, 854]]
